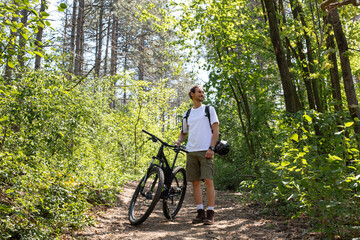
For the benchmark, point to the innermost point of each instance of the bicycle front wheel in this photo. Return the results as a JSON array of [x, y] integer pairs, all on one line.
[[146, 195], [172, 203]]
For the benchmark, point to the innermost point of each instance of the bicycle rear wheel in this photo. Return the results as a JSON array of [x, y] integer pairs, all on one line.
[[172, 203], [146, 195]]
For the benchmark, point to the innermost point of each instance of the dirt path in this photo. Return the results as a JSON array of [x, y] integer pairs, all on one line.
[[233, 221]]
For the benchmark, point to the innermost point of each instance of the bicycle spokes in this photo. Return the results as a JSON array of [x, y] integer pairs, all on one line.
[[146, 196], [173, 202]]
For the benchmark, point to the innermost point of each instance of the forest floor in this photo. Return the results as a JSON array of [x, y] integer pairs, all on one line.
[[233, 220]]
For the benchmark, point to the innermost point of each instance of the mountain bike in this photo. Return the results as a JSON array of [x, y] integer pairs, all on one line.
[[161, 181]]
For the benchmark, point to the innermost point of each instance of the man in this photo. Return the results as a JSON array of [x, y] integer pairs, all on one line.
[[200, 159]]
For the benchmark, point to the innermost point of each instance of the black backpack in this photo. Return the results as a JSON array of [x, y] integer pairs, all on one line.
[[222, 147]]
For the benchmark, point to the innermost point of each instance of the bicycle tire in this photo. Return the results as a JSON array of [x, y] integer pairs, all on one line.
[[145, 198], [173, 202]]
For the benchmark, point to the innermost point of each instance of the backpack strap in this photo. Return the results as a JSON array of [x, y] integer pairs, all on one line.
[[187, 114], [207, 114]]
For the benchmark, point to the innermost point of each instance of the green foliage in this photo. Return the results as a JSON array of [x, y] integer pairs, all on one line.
[[11, 28], [42, 196], [305, 164], [314, 175], [64, 150]]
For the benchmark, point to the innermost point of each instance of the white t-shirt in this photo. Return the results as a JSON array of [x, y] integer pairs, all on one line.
[[199, 129]]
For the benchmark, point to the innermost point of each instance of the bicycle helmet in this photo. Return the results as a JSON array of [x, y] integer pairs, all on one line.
[[222, 148]]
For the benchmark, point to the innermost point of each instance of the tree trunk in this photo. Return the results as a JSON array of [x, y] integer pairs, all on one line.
[[79, 43], [114, 58], [314, 81], [100, 39], [114, 46], [292, 102], [246, 135], [307, 65], [334, 73], [72, 37], [9, 70], [39, 35], [305, 74], [107, 46], [346, 69], [125, 64], [22, 41], [65, 35], [246, 129], [141, 60]]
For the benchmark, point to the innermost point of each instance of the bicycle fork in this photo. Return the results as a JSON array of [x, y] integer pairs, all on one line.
[[148, 195]]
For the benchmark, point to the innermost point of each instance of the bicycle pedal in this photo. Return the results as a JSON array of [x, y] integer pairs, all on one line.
[[148, 195], [175, 190]]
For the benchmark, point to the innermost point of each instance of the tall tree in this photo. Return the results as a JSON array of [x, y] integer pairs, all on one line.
[[100, 40], [65, 36], [107, 45], [114, 54], [114, 44], [334, 72], [346, 68], [39, 36], [308, 65], [10, 47], [73, 36], [292, 102], [79, 42], [22, 40], [141, 48]]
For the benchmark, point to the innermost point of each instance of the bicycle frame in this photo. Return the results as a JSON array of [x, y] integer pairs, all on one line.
[[164, 165], [162, 180]]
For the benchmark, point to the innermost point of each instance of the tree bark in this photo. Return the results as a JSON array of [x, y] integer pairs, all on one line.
[[107, 46], [346, 69], [22, 41], [114, 46], [114, 58], [292, 103], [39, 35], [334, 73], [307, 65], [8, 70], [246, 129], [66, 25], [100, 39], [79, 43], [125, 65], [141, 60], [305, 74], [73, 37]]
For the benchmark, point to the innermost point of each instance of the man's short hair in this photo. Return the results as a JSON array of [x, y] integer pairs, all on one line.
[[193, 89]]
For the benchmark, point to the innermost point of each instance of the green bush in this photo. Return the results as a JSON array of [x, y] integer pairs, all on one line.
[[315, 174], [64, 150]]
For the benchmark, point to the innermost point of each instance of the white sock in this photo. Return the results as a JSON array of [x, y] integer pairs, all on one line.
[[211, 208], [199, 206]]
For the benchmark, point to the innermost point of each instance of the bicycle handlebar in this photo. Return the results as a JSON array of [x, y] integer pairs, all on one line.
[[155, 139]]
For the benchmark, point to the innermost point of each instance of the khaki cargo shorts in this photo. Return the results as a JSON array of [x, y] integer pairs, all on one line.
[[198, 167]]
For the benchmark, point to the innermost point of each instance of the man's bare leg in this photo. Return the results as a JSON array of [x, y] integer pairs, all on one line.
[[197, 192], [210, 193], [198, 200]]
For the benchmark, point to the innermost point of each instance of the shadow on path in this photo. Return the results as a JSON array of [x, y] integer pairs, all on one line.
[[233, 220]]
